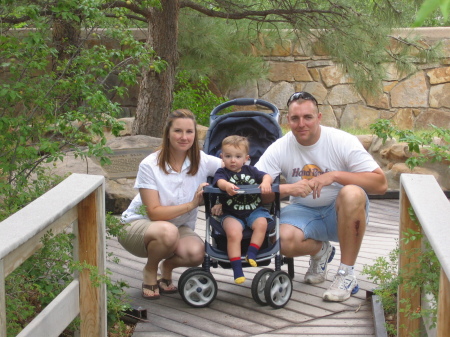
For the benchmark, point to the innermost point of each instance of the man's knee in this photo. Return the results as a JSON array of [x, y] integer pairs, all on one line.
[[351, 196]]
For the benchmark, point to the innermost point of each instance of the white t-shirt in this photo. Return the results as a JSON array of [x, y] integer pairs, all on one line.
[[335, 150], [173, 188]]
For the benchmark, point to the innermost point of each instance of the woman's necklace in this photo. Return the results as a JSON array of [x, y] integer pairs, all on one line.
[[176, 166]]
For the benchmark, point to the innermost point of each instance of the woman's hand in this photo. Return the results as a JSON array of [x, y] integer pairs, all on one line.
[[217, 210], [198, 196]]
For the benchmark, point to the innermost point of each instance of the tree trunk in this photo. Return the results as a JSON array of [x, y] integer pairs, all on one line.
[[156, 90]]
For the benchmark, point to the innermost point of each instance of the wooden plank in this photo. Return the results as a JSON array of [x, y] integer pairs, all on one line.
[[443, 321], [23, 252], [2, 301], [433, 212], [52, 321], [88, 241], [35, 217], [405, 325]]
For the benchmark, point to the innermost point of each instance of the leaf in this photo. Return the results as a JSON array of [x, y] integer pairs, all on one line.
[[428, 7]]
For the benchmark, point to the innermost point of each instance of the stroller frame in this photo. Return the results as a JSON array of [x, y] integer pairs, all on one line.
[[197, 285]]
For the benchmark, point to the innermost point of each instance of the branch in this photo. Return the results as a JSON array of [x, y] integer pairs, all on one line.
[[255, 15]]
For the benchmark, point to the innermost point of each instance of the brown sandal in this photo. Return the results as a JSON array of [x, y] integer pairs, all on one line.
[[152, 287], [168, 283]]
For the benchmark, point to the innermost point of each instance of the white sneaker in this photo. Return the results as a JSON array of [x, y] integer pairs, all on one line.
[[318, 267], [343, 286]]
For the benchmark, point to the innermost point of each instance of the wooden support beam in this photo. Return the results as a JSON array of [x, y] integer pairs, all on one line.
[[2, 300], [443, 321], [90, 245], [406, 325]]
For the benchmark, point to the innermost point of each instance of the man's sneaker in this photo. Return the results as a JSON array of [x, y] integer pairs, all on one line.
[[318, 266], [342, 287]]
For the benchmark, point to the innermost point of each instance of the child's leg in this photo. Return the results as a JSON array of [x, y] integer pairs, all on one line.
[[234, 229], [259, 228]]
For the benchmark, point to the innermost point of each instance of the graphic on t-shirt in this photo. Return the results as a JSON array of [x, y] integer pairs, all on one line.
[[243, 202], [308, 171]]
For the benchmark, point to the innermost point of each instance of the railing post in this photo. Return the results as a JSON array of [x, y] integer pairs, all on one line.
[[2, 301], [91, 243], [443, 321], [407, 261]]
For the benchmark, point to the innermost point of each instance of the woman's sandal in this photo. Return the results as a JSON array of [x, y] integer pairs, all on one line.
[[152, 287], [168, 283]]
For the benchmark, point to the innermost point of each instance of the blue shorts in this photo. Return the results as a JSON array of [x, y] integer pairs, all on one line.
[[318, 223], [260, 212]]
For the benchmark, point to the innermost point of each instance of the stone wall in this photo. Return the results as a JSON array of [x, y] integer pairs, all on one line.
[[412, 101]]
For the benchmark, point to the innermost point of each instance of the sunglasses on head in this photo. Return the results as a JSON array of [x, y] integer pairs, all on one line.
[[301, 95]]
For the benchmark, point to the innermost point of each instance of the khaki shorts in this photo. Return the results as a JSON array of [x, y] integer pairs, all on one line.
[[133, 240]]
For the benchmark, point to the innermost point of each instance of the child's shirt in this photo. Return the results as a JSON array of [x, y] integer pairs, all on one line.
[[240, 205]]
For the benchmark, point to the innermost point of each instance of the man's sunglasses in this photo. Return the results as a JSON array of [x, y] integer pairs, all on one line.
[[301, 95]]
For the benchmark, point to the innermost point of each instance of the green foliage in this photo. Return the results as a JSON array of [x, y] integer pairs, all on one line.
[[218, 49], [195, 96], [422, 145], [422, 275], [54, 101], [429, 7], [44, 275], [51, 104]]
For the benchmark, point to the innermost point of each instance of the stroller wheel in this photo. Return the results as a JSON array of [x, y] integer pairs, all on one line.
[[278, 289], [183, 275], [198, 288], [259, 284]]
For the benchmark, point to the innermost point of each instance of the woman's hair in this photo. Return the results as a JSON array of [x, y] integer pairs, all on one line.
[[237, 142], [193, 153]]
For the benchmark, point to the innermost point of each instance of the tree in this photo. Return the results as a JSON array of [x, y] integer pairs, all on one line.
[[361, 27], [362, 36]]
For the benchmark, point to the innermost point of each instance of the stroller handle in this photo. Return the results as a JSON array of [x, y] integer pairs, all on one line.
[[245, 101], [243, 189]]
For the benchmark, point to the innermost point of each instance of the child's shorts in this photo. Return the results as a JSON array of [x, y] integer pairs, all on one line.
[[260, 212]]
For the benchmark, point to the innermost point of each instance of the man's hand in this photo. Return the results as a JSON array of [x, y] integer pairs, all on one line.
[[317, 183], [300, 188]]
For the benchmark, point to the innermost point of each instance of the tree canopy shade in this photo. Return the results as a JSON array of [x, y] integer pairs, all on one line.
[[354, 32]]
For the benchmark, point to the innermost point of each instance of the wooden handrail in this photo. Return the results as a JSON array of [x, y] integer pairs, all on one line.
[[79, 201], [432, 209]]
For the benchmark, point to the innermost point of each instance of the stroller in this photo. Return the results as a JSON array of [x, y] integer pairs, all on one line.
[[197, 285]]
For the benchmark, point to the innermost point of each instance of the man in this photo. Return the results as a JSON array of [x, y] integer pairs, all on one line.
[[328, 173]]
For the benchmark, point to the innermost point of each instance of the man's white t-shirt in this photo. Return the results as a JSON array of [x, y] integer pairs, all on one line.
[[335, 150], [173, 188]]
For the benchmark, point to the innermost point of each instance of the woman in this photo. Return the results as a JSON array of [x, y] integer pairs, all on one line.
[[162, 216]]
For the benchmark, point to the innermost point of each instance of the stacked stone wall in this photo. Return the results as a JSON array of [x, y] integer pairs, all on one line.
[[411, 101]]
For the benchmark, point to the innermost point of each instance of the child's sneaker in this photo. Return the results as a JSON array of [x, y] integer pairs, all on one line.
[[343, 286], [318, 266]]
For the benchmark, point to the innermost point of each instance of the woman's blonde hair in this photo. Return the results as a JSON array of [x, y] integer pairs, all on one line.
[[193, 153]]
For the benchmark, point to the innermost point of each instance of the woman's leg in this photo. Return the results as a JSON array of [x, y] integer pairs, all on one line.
[[161, 240]]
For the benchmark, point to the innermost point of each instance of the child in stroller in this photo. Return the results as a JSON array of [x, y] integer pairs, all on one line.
[[197, 285], [238, 211]]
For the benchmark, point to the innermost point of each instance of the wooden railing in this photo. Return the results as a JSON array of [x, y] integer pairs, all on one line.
[[432, 209], [78, 201]]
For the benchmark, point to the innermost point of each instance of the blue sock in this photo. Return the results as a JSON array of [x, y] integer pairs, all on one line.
[[251, 254], [236, 264]]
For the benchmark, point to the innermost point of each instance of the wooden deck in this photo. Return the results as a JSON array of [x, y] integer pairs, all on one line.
[[235, 313]]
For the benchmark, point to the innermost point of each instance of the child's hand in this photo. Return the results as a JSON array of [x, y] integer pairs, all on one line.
[[265, 187], [231, 189], [216, 210]]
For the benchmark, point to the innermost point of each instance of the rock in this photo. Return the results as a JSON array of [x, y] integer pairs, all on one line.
[[412, 92]]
